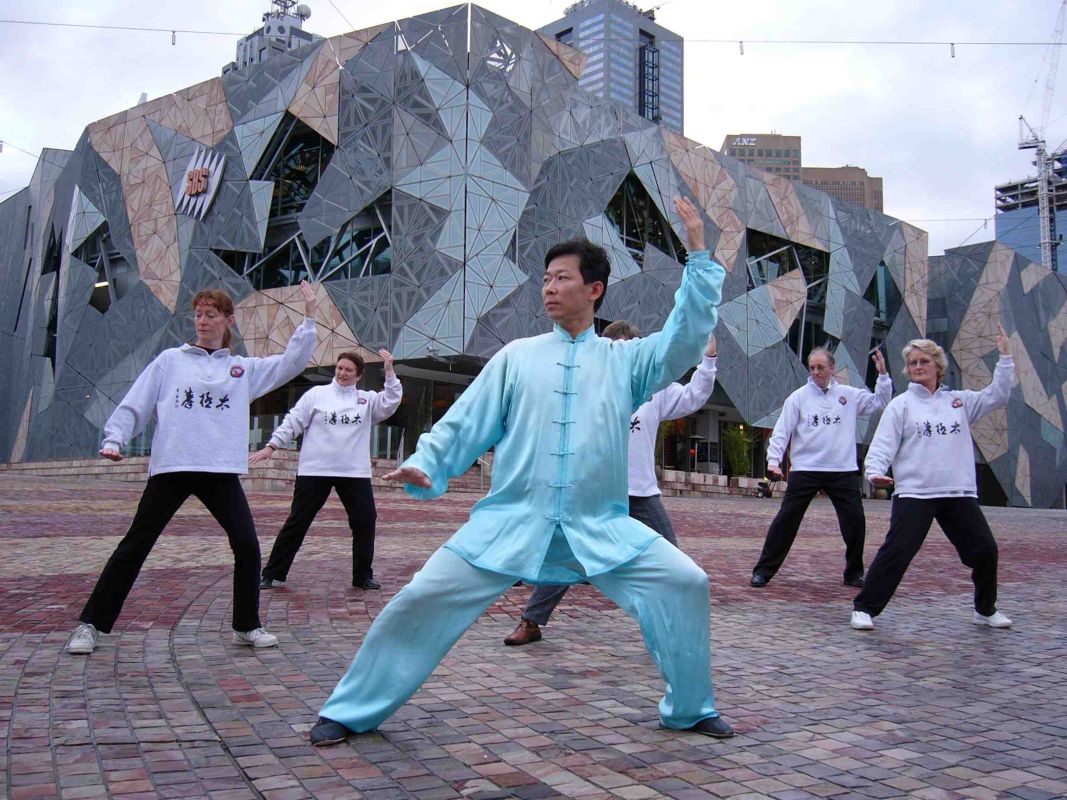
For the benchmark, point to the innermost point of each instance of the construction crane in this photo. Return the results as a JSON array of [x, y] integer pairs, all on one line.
[[1030, 139]]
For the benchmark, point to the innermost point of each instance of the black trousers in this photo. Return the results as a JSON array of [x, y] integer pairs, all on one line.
[[309, 496], [843, 489], [965, 526], [222, 495]]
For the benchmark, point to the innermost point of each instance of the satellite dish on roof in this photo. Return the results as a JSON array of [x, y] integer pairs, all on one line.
[[303, 11]]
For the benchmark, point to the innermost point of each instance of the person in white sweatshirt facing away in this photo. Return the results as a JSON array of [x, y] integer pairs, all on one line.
[[199, 396], [674, 402], [818, 424], [925, 436], [335, 421]]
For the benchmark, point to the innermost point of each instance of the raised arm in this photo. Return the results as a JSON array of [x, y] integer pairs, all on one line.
[[998, 391], [677, 401], [134, 412], [391, 395], [663, 357], [271, 372], [870, 402], [473, 424]]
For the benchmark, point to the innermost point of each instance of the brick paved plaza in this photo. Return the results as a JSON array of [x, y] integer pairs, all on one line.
[[928, 705]]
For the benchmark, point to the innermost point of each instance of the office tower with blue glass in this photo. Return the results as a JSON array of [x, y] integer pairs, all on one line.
[[631, 59]]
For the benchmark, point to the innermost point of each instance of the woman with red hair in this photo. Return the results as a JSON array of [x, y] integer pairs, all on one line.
[[199, 395]]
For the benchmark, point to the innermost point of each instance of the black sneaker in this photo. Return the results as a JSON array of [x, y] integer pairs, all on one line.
[[855, 581], [327, 732], [370, 583], [759, 580], [269, 583], [715, 727]]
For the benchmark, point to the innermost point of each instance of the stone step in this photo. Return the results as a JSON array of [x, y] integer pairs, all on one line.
[[279, 474]]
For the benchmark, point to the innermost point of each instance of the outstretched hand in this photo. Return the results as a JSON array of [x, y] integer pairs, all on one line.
[[311, 303], [261, 455], [1002, 341], [879, 361], [881, 481], [694, 225], [111, 455], [416, 477], [387, 359]]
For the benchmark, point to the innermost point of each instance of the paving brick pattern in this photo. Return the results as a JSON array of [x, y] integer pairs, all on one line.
[[927, 706]]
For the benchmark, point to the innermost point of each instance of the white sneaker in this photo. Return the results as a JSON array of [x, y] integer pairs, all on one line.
[[256, 638], [861, 621], [83, 641], [994, 620]]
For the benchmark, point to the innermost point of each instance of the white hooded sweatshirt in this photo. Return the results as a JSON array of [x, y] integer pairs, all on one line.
[[926, 438], [673, 402], [819, 426], [200, 402], [336, 421]]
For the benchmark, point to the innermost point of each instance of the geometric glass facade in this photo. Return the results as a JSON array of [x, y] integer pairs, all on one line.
[[420, 170]]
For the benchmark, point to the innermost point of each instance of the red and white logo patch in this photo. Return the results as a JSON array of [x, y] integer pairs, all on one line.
[[842, 401], [957, 403], [237, 372]]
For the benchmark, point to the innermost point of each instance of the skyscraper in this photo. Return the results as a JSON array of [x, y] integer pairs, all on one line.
[[1018, 221], [782, 155], [631, 59]]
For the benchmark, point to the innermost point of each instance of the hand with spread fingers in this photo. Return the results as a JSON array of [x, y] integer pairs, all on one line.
[[416, 477], [261, 456]]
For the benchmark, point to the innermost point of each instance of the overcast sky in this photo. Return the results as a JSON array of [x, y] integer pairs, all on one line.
[[940, 131]]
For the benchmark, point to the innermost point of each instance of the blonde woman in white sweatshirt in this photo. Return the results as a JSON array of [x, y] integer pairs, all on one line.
[[925, 436], [335, 421], [199, 395]]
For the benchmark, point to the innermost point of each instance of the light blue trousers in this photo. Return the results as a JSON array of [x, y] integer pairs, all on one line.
[[661, 588]]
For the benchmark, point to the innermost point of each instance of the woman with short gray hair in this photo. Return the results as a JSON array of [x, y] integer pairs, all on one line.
[[925, 436]]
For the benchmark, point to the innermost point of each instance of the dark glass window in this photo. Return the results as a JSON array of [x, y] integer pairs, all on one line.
[[648, 77], [114, 275], [566, 36], [770, 257], [52, 326], [639, 222], [52, 256], [295, 159], [883, 294], [362, 247]]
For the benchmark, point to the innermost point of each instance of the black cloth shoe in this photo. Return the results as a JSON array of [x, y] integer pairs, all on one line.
[[327, 732], [269, 583], [855, 581], [759, 580], [370, 583], [716, 727]]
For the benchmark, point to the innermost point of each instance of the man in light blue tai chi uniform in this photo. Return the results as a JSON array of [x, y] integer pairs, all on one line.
[[557, 409]]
